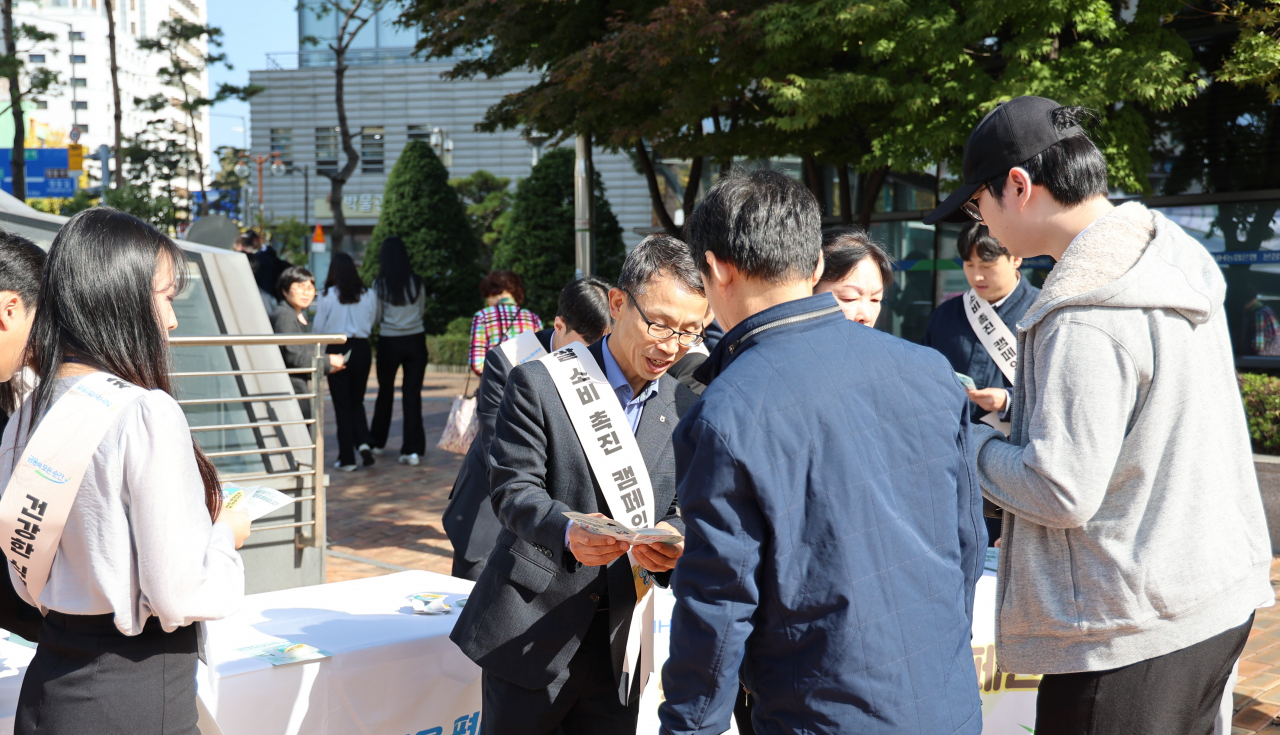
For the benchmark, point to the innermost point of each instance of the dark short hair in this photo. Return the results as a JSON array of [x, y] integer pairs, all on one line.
[[764, 222], [290, 276], [1072, 170], [498, 282], [584, 307], [21, 263], [658, 255], [844, 247], [974, 237]]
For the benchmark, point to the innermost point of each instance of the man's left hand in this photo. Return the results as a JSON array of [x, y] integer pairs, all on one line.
[[659, 557], [989, 399]]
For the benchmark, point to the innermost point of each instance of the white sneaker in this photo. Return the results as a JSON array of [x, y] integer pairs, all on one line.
[[409, 459], [366, 454], [378, 451], [344, 467]]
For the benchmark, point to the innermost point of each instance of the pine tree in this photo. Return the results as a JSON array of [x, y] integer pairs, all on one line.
[[421, 208], [538, 241]]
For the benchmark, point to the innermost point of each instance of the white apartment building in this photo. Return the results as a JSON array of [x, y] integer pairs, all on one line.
[[81, 55]]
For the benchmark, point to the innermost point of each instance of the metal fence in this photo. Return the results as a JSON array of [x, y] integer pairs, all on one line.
[[312, 475]]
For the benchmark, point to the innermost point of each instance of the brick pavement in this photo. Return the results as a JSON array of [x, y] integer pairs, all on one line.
[[391, 514]]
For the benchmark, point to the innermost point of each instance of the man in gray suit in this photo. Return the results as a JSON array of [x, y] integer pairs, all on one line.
[[549, 617]]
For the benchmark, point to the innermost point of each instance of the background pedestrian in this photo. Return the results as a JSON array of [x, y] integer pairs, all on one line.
[[347, 307], [297, 290], [856, 271], [502, 319], [402, 342]]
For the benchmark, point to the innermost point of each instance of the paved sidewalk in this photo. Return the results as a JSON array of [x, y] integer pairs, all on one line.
[[391, 513], [1258, 690]]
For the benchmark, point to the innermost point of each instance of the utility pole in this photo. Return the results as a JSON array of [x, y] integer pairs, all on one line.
[[584, 245]]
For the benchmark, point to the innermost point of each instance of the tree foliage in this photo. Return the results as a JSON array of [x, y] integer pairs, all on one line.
[[538, 241], [487, 199], [420, 207], [1255, 53]]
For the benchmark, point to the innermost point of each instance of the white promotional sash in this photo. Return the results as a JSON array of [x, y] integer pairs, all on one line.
[[618, 466], [522, 348], [992, 333], [38, 498]]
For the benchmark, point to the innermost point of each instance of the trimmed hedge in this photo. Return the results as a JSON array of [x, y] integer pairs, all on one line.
[[449, 349], [1261, 394]]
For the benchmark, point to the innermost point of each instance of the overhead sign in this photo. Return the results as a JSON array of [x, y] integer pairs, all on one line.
[[48, 173], [75, 157], [356, 206]]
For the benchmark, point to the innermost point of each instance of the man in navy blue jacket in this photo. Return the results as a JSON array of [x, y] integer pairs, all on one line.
[[834, 520]]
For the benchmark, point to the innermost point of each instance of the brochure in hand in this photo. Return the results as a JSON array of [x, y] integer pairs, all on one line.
[[257, 501], [635, 537], [966, 381]]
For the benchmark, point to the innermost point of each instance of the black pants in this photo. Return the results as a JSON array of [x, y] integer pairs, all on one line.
[[346, 387], [394, 352], [87, 677], [1178, 692], [587, 704]]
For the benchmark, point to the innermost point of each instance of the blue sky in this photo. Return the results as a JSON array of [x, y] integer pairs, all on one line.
[[251, 29]]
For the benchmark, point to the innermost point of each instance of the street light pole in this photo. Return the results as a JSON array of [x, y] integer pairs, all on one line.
[[277, 169], [583, 208]]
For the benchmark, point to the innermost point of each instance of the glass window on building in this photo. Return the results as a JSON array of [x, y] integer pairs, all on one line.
[[79, 82], [419, 132], [327, 144], [42, 105], [372, 148], [35, 58], [83, 128], [77, 58], [77, 35], [79, 105], [282, 143]]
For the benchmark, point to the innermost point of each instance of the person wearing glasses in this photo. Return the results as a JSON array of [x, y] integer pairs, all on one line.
[[548, 619]]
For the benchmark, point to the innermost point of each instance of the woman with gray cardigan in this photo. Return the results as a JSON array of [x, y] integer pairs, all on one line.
[[401, 343]]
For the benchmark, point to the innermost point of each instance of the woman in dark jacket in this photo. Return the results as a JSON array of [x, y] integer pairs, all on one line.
[[296, 289]]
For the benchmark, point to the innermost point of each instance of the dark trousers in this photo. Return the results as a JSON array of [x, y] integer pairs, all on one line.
[[411, 353], [346, 388], [88, 677], [587, 703], [1178, 692]]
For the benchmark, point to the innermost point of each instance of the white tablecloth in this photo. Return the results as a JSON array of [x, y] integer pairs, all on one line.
[[396, 673]]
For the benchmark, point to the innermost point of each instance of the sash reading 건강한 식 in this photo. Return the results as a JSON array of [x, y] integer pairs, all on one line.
[[38, 498], [619, 468]]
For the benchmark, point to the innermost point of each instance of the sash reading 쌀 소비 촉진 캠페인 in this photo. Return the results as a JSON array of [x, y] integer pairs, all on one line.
[[619, 469]]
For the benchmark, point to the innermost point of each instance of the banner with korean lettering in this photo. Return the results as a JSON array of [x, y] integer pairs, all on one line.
[[992, 333], [619, 469], [38, 498]]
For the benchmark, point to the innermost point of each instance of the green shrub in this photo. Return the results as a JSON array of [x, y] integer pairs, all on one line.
[[537, 236], [449, 349], [461, 325], [1261, 394]]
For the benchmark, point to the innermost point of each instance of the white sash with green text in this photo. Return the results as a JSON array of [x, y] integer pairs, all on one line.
[[618, 466], [38, 498]]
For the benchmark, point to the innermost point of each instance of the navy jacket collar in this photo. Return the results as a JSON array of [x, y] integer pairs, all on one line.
[[748, 332]]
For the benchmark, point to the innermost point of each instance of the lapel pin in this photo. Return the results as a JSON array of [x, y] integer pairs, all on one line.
[[663, 419]]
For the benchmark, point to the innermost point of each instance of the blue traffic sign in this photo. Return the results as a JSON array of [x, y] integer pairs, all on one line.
[[47, 174]]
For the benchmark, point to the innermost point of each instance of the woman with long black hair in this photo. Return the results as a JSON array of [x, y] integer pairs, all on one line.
[[347, 307], [146, 551], [402, 341]]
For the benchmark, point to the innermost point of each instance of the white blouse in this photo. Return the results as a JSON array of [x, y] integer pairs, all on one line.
[[138, 542], [353, 320]]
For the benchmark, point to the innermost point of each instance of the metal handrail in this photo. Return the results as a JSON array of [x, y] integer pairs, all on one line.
[[242, 340], [316, 470]]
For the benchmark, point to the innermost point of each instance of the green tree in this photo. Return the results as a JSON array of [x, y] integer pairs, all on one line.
[[487, 198], [138, 201], [1255, 53], [538, 241], [25, 85], [420, 207], [290, 237]]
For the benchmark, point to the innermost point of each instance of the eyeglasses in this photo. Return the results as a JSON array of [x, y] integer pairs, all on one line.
[[662, 332], [971, 207]]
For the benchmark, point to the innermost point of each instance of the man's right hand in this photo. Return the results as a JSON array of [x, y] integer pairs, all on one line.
[[336, 363], [594, 549]]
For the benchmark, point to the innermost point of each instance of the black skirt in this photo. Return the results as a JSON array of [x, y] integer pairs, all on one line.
[[88, 677]]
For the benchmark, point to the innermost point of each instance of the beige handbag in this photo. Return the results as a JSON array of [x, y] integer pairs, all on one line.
[[463, 423]]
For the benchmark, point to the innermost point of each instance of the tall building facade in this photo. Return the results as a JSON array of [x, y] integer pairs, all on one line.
[[81, 56], [392, 98]]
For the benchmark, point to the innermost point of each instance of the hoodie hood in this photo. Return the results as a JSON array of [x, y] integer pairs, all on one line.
[[1133, 258]]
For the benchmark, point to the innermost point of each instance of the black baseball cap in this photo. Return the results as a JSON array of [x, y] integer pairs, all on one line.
[[1008, 136]]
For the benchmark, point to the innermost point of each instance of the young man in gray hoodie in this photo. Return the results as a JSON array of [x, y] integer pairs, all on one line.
[[1135, 547]]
